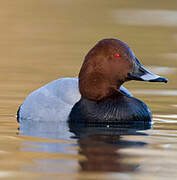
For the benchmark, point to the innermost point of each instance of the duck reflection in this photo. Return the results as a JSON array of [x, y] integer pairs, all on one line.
[[102, 145]]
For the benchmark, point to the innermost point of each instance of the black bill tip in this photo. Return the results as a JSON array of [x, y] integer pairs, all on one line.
[[159, 79]]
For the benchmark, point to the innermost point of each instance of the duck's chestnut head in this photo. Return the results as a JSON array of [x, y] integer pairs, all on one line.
[[107, 66]]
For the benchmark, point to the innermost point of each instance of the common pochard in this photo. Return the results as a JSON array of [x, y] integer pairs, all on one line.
[[97, 95]]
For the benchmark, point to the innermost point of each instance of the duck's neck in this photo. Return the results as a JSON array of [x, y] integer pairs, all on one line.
[[96, 87]]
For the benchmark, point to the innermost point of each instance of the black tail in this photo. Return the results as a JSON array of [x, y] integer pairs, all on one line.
[[18, 114]]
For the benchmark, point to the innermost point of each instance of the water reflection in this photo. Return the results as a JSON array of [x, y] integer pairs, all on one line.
[[51, 130], [101, 147], [155, 92]]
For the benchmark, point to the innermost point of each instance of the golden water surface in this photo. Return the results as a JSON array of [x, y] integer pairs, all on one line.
[[42, 40]]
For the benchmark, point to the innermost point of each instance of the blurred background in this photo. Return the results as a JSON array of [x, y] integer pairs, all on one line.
[[42, 40]]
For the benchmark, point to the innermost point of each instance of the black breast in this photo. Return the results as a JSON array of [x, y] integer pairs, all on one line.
[[113, 110]]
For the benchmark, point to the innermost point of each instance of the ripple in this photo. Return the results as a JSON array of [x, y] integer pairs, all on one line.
[[171, 116], [3, 152], [166, 146], [162, 70], [5, 174], [145, 17], [164, 120], [156, 92]]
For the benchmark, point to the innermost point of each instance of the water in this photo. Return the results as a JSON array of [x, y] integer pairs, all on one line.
[[44, 40]]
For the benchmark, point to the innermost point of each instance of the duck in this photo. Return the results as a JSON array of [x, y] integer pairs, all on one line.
[[97, 95]]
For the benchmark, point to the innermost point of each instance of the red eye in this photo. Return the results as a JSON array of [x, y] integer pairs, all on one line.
[[116, 55]]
